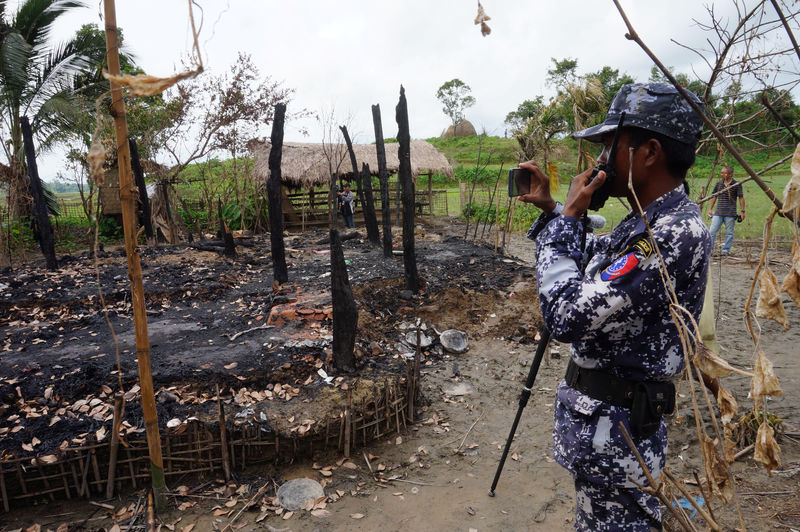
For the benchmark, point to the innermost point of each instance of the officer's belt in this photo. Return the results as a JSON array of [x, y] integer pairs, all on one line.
[[601, 385]]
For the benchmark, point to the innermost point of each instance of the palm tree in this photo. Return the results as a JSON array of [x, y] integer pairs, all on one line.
[[37, 79]]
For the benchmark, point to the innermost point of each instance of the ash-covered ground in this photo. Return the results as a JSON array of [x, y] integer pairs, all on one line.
[[208, 325]]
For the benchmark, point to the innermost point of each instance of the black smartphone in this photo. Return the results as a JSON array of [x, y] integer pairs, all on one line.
[[519, 182]]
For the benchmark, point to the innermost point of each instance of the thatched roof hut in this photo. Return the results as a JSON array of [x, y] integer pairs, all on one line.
[[306, 165]]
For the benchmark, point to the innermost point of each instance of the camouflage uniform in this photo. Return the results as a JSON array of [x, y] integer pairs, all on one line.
[[616, 316]]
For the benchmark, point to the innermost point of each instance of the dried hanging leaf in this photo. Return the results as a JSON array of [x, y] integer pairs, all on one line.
[[764, 381], [143, 85], [716, 468], [709, 362], [791, 194], [769, 300], [481, 19], [96, 159], [728, 408], [791, 285], [767, 451]]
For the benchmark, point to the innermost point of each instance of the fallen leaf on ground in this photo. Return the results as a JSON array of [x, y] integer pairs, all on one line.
[[321, 513], [357, 516]]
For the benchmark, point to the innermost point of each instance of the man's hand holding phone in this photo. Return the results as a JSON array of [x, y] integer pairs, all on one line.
[[539, 190]]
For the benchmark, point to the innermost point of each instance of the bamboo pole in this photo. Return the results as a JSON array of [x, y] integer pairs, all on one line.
[[126, 191]]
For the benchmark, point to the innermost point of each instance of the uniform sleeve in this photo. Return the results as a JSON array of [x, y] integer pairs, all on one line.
[[542, 221], [579, 307]]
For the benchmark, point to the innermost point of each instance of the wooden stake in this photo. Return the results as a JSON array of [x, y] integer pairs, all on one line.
[[114, 450], [223, 438], [127, 200], [383, 176], [407, 186]]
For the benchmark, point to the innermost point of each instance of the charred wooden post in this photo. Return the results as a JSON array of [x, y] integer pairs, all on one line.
[[138, 176], [356, 175], [345, 314], [279, 268], [223, 438], [134, 265], [44, 229], [114, 449], [227, 238], [370, 219], [407, 184], [383, 176]]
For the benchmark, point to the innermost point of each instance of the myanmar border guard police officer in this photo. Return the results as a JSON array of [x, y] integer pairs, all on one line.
[[610, 302]]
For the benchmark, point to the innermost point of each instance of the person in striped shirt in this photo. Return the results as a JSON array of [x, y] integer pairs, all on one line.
[[725, 193]]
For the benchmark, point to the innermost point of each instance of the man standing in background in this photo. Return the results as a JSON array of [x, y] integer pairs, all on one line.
[[726, 191]]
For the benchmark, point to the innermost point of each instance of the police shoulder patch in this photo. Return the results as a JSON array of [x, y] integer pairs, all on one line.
[[643, 246], [620, 267]]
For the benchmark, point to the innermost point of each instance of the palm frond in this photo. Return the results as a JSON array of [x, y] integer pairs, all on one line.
[[34, 19], [50, 199], [14, 56]]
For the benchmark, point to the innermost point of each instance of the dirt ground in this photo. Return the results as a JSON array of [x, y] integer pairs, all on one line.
[[434, 476]]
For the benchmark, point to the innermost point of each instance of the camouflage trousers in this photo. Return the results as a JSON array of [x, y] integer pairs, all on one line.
[[601, 508]]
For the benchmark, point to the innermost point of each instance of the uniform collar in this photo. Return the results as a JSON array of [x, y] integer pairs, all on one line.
[[672, 198]]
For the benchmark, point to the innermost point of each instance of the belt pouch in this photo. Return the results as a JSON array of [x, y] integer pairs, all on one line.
[[651, 400]]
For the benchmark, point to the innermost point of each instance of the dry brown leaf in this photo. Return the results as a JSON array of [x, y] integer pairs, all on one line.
[[709, 362], [231, 503], [219, 512], [63, 527], [321, 513], [357, 516], [187, 528], [791, 285], [716, 468], [728, 408], [481, 19], [34, 528], [231, 365], [287, 515], [27, 447], [768, 452], [769, 300], [791, 194], [764, 381], [144, 85]]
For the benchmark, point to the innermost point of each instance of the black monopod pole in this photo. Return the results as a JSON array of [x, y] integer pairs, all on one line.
[[526, 391], [523, 401]]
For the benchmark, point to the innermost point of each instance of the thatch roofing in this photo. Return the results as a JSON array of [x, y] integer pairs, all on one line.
[[305, 165]]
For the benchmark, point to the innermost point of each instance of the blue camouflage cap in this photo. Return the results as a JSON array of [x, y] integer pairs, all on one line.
[[655, 107]]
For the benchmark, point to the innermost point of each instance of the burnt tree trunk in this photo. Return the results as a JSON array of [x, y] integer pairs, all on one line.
[[41, 214], [227, 237], [356, 174], [345, 314], [370, 219], [407, 185], [383, 176], [144, 201], [281, 273]]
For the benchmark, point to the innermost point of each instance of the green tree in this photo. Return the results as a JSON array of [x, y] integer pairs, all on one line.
[[36, 79], [528, 109], [455, 97]]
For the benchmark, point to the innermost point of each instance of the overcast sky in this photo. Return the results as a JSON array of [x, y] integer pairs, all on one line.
[[350, 54]]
